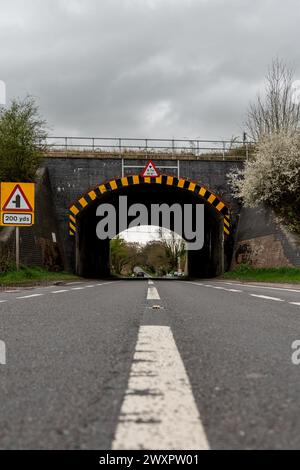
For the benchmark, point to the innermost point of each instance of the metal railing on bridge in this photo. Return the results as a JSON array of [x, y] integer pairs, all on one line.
[[151, 147]]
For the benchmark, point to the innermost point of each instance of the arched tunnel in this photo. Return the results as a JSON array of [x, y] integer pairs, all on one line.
[[92, 254]]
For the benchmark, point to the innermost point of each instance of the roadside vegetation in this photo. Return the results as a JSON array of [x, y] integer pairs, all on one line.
[[29, 275], [157, 257], [271, 176], [245, 272], [23, 135]]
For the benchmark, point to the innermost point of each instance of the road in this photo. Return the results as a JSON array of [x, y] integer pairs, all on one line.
[[92, 365]]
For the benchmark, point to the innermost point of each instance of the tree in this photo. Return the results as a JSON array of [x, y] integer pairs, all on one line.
[[276, 111], [175, 249], [155, 257], [118, 254], [272, 177], [22, 140]]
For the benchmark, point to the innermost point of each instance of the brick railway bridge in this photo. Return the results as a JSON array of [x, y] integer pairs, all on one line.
[[78, 174], [85, 172]]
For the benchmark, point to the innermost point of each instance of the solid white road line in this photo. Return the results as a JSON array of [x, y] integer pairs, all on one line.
[[159, 409], [267, 297], [152, 294], [29, 296]]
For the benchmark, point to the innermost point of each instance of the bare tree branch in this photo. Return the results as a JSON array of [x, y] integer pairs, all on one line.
[[276, 111]]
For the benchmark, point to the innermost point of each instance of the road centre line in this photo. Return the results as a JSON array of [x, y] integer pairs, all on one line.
[[159, 409], [152, 293], [294, 303], [267, 297]]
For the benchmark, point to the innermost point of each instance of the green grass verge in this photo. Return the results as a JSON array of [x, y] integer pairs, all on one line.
[[248, 273], [28, 275]]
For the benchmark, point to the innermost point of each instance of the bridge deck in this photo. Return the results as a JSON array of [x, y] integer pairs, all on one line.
[[142, 155], [137, 148]]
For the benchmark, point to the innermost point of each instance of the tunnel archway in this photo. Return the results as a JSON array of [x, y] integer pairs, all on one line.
[[92, 254]]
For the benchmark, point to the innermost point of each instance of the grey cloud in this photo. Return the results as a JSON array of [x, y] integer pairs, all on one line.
[[158, 68]]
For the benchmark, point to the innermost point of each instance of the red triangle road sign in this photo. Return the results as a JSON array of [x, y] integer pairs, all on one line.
[[17, 201], [150, 170]]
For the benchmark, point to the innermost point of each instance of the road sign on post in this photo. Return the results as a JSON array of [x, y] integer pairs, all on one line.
[[17, 208], [150, 170], [17, 204]]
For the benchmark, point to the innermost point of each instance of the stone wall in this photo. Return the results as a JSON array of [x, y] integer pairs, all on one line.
[[262, 242]]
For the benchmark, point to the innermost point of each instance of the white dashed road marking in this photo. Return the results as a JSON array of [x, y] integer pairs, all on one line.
[[159, 409], [74, 282], [261, 287], [59, 291], [215, 287], [152, 293], [29, 296], [294, 303], [267, 297]]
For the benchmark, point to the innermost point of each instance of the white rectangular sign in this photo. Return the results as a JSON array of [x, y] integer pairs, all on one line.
[[16, 219]]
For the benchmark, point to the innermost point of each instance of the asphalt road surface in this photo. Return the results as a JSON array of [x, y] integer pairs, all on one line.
[[144, 364]]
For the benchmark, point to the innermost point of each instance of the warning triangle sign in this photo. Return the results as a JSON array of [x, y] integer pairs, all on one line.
[[150, 170], [17, 201]]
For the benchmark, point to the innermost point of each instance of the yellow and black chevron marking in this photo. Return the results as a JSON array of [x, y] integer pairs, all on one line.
[[119, 183]]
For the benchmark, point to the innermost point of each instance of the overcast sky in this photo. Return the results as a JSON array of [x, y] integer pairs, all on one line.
[[144, 68]]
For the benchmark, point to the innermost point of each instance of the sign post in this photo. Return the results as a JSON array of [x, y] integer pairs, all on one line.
[[17, 248], [17, 209]]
